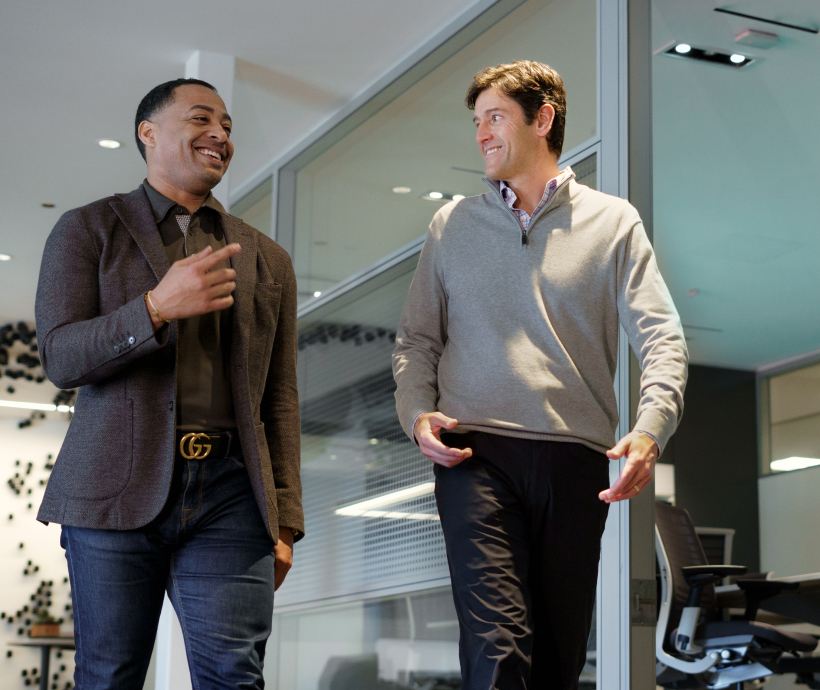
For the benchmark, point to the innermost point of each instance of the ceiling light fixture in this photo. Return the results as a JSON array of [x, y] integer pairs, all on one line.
[[684, 50], [5, 257], [441, 196], [40, 407], [317, 293], [109, 143], [794, 463], [371, 506], [402, 190]]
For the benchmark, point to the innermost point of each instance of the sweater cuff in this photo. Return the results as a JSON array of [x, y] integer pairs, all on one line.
[[657, 426]]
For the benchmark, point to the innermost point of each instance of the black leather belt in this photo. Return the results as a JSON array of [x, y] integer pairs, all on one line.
[[206, 445]]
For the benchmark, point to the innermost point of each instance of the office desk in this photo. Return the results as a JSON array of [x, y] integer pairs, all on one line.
[[801, 604], [46, 644]]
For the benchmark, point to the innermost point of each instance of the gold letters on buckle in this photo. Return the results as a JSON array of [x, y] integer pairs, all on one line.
[[192, 448]]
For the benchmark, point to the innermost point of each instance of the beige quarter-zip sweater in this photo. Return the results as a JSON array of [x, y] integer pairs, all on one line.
[[517, 334]]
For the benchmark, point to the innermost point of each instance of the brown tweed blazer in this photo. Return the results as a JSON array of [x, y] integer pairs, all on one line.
[[114, 469]]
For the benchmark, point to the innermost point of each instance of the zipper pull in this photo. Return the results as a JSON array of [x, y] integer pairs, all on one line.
[[524, 239]]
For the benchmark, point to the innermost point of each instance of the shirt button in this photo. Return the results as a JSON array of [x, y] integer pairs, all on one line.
[[116, 349], [131, 340]]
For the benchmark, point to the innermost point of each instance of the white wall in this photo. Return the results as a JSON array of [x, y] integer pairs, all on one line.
[[789, 516], [41, 544]]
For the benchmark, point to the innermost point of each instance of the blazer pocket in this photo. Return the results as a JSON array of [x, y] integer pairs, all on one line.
[[95, 461]]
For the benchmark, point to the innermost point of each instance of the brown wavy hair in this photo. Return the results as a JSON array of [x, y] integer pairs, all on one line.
[[530, 84]]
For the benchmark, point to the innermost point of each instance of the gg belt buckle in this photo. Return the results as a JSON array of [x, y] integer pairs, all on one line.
[[194, 446]]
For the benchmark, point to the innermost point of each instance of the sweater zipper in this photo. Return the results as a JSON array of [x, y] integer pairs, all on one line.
[[525, 240]]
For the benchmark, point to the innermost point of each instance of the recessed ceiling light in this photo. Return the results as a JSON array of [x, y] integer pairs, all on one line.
[[109, 143], [441, 196], [737, 58], [682, 48], [5, 257], [402, 190], [317, 293]]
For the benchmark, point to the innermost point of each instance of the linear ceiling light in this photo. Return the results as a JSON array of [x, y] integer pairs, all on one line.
[[41, 407], [373, 507], [794, 463]]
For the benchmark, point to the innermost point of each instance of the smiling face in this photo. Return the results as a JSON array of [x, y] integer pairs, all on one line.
[[511, 148], [187, 143]]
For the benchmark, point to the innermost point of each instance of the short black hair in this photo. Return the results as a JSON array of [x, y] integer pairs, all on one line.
[[156, 99]]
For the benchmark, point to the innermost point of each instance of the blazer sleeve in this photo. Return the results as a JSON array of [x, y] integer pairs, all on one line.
[[78, 343]]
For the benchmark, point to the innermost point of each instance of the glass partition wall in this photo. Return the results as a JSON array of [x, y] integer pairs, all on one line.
[[375, 190], [367, 604]]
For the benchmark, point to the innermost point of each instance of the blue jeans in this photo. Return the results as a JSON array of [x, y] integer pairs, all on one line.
[[210, 551]]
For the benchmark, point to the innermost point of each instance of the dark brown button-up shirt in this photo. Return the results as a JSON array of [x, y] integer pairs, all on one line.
[[204, 399]]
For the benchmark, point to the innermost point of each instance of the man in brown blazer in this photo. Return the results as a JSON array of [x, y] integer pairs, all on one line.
[[180, 469]]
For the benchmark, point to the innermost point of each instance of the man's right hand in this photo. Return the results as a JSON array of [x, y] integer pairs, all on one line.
[[196, 285], [427, 433]]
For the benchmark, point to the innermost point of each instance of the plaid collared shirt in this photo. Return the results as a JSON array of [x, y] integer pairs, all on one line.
[[510, 197]]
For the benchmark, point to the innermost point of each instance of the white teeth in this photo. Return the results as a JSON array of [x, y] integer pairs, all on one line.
[[212, 154], [492, 150]]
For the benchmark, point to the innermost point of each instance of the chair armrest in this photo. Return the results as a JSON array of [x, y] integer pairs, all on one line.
[[757, 590], [717, 572], [697, 576]]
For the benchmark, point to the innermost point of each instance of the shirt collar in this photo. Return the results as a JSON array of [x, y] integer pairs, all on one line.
[[510, 196], [161, 205]]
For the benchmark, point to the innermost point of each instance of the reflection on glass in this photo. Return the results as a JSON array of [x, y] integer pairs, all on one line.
[[255, 208], [406, 642], [376, 189], [367, 491], [391, 643]]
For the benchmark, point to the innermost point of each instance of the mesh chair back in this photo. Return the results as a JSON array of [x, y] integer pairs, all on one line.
[[682, 547]]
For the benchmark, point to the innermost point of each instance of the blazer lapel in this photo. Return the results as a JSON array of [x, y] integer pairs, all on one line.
[[244, 264], [134, 210]]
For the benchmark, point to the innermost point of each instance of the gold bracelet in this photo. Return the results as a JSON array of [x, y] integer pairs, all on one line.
[[153, 309]]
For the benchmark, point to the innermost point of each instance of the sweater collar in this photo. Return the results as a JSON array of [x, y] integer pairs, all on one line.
[[551, 190]]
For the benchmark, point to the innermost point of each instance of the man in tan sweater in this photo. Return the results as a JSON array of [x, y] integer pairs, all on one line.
[[504, 363]]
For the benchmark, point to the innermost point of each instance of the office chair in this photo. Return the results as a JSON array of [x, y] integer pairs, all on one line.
[[695, 648]]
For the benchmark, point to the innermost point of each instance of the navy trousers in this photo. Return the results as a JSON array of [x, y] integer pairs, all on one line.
[[210, 551], [522, 525]]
